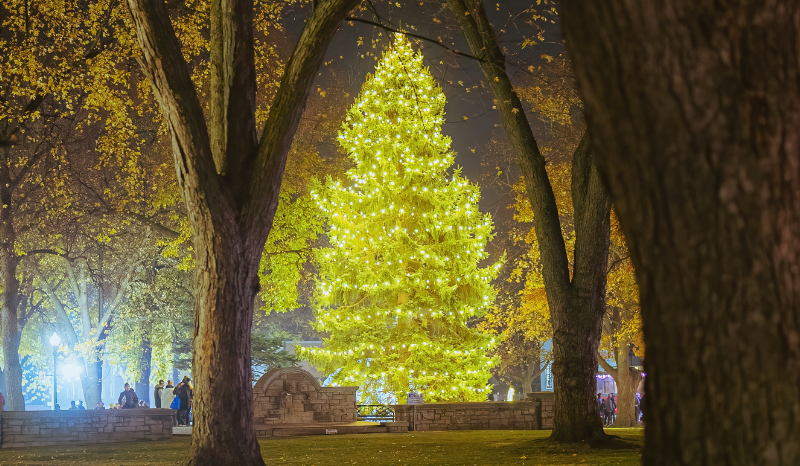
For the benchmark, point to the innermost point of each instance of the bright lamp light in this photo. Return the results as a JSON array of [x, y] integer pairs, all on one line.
[[71, 370], [55, 340]]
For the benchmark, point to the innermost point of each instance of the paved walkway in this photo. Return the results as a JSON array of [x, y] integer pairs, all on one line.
[[182, 430]]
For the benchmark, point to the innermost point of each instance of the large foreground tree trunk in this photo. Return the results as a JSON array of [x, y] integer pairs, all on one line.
[[230, 183], [222, 356], [576, 305], [695, 105]]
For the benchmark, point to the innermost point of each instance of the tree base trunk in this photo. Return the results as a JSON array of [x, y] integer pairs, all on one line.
[[12, 369], [92, 384], [221, 362], [576, 418]]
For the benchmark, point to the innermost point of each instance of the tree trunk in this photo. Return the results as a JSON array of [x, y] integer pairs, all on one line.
[[576, 305], [696, 107], [143, 384], [627, 379], [12, 369], [221, 359], [527, 381], [9, 260], [230, 183], [92, 382], [575, 416]]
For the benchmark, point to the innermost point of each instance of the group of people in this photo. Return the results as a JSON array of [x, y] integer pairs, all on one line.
[[175, 397], [72, 405], [166, 396], [607, 407]]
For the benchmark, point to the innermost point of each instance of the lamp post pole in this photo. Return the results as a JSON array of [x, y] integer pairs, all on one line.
[[55, 340], [55, 380]]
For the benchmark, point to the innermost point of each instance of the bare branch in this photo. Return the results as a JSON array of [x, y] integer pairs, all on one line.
[[410, 34]]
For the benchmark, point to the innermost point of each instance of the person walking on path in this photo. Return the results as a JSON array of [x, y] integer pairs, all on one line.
[[157, 393], [128, 399], [184, 393]]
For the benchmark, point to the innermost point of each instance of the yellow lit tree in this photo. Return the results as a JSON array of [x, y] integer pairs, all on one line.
[[401, 283]]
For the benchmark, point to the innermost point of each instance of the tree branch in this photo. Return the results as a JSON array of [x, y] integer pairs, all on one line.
[[606, 366], [164, 230], [616, 262], [471, 16], [409, 34], [72, 337], [284, 115], [171, 81], [592, 208]]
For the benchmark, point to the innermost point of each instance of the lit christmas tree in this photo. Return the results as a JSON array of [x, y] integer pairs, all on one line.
[[402, 280]]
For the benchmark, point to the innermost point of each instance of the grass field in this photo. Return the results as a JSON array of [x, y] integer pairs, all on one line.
[[493, 447]]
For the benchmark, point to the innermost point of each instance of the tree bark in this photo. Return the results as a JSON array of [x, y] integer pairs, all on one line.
[[576, 305], [143, 384], [527, 381], [92, 382], [695, 106], [230, 183], [627, 379], [9, 261]]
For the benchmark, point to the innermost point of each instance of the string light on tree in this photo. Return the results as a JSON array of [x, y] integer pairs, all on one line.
[[401, 280]]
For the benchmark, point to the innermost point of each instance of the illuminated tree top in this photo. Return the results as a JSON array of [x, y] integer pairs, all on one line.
[[402, 278]]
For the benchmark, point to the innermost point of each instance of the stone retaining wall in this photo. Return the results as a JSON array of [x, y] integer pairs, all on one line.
[[536, 414], [38, 428]]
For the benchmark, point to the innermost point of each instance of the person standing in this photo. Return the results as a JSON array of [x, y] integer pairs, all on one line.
[[157, 393], [608, 410], [613, 408], [128, 399], [184, 393], [2, 402], [80, 405], [166, 399]]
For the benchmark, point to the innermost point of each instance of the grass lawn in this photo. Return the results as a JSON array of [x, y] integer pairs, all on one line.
[[490, 447]]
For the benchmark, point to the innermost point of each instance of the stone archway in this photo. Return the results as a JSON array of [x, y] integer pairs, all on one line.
[[293, 396], [295, 379]]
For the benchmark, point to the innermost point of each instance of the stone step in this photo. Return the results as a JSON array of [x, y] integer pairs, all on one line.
[[288, 430]]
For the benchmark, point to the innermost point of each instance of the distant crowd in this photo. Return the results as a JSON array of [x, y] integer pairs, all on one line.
[[178, 397], [607, 407]]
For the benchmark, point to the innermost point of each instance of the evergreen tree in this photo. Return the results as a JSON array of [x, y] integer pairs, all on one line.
[[401, 283]]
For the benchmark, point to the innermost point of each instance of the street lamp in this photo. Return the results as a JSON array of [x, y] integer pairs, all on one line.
[[55, 340]]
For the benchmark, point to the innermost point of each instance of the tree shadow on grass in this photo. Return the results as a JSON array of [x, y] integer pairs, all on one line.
[[609, 442]]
